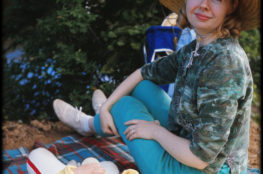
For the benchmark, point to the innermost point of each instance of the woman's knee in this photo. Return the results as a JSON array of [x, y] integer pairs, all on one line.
[[128, 108], [148, 92], [125, 104], [143, 86]]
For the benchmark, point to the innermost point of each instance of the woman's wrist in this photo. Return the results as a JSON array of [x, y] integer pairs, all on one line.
[[157, 131], [105, 107]]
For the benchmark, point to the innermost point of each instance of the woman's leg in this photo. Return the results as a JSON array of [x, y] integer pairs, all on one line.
[[148, 102], [156, 100], [149, 156]]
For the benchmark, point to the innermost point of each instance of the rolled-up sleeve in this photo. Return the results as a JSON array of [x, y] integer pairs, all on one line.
[[161, 71], [219, 89]]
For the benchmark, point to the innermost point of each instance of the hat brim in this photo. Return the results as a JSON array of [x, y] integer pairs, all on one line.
[[249, 11], [173, 5]]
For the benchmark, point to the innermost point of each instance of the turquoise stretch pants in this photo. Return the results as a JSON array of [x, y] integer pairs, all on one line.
[[147, 102]]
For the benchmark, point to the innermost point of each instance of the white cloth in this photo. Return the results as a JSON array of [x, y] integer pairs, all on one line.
[[42, 161]]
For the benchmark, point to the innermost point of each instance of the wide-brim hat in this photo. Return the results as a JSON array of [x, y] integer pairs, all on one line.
[[249, 11]]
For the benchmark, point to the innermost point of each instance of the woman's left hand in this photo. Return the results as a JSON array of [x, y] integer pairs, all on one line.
[[141, 129]]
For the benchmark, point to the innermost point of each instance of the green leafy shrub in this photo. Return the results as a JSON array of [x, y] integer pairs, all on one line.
[[250, 41], [73, 46], [70, 48]]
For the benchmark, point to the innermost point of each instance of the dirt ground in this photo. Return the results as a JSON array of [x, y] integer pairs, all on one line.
[[17, 134]]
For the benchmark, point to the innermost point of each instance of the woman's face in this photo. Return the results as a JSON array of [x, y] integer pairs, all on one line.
[[207, 15]]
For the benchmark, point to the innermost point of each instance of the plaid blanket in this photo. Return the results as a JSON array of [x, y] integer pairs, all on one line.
[[76, 147], [73, 147]]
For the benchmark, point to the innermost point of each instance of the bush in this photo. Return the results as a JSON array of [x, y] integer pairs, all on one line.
[[70, 48], [250, 41]]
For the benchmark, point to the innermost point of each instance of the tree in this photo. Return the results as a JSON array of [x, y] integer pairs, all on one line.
[[70, 48], [250, 41], [73, 46]]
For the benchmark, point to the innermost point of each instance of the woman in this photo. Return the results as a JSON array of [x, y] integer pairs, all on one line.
[[204, 128]]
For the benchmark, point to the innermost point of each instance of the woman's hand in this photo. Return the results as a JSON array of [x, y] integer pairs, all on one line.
[[141, 129], [106, 119], [107, 123]]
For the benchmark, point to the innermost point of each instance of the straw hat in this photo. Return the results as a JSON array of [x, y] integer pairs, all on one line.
[[170, 20], [249, 11]]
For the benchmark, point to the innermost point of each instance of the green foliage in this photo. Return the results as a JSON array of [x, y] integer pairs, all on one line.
[[250, 41], [69, 48]]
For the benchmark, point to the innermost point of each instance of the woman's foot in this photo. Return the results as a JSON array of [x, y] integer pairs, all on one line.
[[98, 98], [73, 117]]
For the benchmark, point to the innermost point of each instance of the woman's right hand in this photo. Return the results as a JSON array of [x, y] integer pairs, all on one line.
[[106, 121]]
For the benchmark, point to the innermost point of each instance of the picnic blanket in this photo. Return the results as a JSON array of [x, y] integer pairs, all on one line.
[[73, 147], [76, 147]]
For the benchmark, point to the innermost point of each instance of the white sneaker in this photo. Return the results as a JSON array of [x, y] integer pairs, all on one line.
[[71, 116], [98, 98]]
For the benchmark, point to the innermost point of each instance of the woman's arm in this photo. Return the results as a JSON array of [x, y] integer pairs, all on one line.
[[123, 89], [176, 146]]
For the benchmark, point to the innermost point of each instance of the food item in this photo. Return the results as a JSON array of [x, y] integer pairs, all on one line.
[[130, 171], [90, 160]]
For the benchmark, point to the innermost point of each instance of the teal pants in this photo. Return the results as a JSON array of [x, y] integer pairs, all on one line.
[[147, 102]]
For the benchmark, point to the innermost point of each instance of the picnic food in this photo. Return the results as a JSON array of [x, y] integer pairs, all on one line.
[[130, 171], [109, 166], [90, 160]]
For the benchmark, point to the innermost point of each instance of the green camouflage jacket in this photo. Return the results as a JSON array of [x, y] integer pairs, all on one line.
[[211, 104]]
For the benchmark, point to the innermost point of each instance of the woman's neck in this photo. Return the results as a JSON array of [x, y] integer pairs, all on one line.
[[207, 38]]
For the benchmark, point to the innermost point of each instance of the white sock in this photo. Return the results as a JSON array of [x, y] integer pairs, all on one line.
[[85, 123]]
